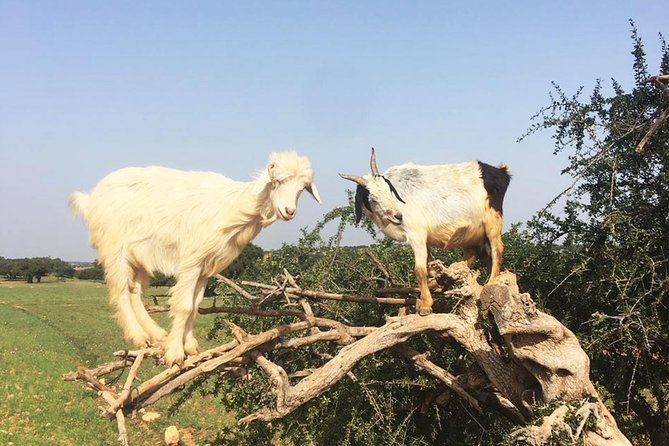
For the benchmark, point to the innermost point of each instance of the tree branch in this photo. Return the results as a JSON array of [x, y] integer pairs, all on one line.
[[542, 360]]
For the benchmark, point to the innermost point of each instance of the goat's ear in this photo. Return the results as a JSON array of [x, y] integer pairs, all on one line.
[[271, 171], [311, 188], [361, 199], [358, 208]]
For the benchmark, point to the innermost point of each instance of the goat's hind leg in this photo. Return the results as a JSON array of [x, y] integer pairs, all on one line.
[[493, 230], [119, 277], [470, 255], [141, 284]]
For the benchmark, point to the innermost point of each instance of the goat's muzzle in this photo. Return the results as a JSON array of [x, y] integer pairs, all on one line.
[[286, 214]]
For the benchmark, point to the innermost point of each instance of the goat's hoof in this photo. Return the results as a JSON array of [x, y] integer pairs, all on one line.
[[424, 311], [174, 358], [191, 347]]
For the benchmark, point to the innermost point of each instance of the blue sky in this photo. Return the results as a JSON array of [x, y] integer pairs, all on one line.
[[89, 87]]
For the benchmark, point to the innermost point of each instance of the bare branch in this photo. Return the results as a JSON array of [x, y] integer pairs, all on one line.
[[120, 401], [442, 375], [395, 331], [299, 292], [237, 288], [657, 122], [120, 419], [659, 81], [380, 266]]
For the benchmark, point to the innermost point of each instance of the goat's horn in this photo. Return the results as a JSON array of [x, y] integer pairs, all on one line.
[[311, 188], [356, 179], [372, 164]]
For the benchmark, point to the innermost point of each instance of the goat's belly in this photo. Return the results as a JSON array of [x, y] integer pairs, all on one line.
[[461, 237]]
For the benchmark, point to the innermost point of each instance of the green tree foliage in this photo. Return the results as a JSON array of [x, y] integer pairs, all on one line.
[[600, 260], [247, 260]]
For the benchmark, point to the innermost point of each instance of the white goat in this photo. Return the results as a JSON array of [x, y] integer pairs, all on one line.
[[445, 206], [188, 224]]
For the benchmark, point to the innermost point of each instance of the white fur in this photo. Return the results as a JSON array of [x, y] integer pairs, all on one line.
[[188, 224]]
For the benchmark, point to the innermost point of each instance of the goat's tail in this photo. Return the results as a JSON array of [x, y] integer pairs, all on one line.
[[78, 202]]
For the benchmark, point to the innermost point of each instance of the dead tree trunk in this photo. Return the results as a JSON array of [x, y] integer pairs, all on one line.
[[524, 356]]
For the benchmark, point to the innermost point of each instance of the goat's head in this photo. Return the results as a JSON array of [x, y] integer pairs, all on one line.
[[289, 175], [376, 194]]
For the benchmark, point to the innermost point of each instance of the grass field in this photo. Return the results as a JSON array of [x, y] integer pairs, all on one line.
[[48, 329]]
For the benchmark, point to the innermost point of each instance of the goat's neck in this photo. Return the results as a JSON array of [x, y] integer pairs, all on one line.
[[262, 187]]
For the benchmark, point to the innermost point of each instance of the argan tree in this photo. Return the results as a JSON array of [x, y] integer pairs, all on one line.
[[600, 253]]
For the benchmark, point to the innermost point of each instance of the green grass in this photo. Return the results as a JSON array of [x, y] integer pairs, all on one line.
[[48, 329]]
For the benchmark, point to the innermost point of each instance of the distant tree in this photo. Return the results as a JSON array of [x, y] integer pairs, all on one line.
[[94, 273], [34, 268], [24, 268], [62, 269], [5, 266]]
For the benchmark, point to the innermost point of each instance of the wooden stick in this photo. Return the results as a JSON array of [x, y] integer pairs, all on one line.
[[152, 385], [296, 292], [125, 393], [101, 370], [236, 310], [237, 288], [396, 331], [120, 419]]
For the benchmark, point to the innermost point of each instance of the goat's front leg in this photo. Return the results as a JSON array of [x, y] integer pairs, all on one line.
[[191, 346], [181, 309], [420, 251]]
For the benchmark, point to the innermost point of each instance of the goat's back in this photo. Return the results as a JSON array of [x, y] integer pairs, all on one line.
[[450, 192], [169, 213]]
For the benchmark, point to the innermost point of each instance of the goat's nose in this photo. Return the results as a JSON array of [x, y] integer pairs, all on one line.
[[398, 216], [290, 211]]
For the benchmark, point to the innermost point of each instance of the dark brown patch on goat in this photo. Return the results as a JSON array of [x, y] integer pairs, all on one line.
[[495, 181]]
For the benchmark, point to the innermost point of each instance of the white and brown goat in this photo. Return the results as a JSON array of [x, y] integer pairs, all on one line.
[[442, 206]]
